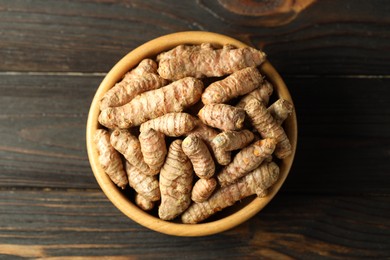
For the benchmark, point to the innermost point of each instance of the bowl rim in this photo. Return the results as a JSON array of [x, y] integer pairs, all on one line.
[[130, 60]]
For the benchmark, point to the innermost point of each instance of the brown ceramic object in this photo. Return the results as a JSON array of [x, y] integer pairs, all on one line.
[[226, 219]]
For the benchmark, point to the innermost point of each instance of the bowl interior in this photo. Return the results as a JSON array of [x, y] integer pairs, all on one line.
[[228, 218]]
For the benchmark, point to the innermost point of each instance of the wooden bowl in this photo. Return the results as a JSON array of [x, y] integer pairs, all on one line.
[[226, 219]]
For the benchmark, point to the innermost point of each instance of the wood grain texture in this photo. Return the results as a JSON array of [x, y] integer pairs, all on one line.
[[334, 56], [328, 37], [343, 135], [58, 223], [42, 130]]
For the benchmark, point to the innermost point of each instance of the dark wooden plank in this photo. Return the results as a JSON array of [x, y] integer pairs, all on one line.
[[83, 223], [344, 137], [42, 134], [328, 37]]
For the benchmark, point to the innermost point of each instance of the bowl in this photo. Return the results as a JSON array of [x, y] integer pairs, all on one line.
[[226, 219]]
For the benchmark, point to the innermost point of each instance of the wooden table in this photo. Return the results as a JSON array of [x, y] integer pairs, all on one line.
[[335, 58]]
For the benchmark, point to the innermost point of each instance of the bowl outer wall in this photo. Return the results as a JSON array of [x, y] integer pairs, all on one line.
[[151, 49]]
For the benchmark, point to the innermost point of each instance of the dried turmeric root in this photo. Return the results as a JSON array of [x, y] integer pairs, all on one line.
[[262, 93], [280, 110], [143, 184], [205, 61], [131, 85], [171, 124], [175, 182], [143, 203], [255, 182], [222, 116], [202, 190], [144, 67], [246, 160], [153, 148], [233, 140], [130, 147], [174, 97], [207, 134], [109, 158], [199, 155], [237, 84], [262, 120]]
